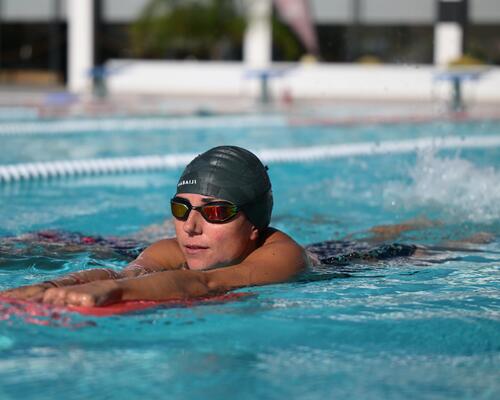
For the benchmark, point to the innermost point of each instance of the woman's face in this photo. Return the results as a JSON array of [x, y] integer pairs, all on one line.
[[207, 245]]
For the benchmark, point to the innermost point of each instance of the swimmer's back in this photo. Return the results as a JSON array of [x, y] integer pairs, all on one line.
[[344, 252]]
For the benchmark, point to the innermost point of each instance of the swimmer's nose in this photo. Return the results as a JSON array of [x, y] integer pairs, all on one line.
[[193, 224]]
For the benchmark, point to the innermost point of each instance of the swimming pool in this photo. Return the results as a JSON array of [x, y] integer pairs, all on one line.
[[420, 329]]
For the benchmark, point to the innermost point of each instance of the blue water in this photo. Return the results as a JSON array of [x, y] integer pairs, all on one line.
[[422, 328]]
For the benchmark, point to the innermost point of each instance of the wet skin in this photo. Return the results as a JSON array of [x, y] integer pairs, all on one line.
[[187, 266], [207, 245]]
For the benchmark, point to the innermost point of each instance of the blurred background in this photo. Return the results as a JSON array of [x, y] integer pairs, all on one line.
[[251, 49], [368, 113]]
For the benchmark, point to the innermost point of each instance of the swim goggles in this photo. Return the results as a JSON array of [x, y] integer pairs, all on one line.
[[215, 212]]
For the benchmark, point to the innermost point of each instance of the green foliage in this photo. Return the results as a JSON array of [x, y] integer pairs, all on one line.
[[186, 28], [286, 45], [466, 60], [200, 29]]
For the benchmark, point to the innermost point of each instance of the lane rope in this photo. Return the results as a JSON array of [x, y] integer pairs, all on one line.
[[72, 168], [64, 127]]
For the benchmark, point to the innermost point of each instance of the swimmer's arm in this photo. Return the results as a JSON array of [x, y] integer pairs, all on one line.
[[381, 233], [163, 255], [152, 259], [36, 291], [277, 260]]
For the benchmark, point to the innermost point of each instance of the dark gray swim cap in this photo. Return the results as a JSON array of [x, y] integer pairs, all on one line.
[[234, 174]]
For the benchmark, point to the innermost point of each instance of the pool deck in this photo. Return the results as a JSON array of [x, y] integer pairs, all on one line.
[[56, 102]]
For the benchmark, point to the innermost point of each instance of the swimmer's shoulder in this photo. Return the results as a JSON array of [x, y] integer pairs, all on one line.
[[286, 243], [273, 235], [164, 253]]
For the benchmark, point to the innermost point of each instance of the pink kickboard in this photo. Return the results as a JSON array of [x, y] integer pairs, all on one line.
[[9, 307]]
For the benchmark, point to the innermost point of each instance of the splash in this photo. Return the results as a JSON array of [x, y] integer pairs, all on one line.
[[453, 187]]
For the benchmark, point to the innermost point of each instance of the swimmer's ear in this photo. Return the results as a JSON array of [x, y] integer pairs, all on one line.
[[254, 235]]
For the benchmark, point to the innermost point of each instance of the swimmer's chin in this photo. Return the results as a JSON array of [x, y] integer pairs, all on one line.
[[195, 265]]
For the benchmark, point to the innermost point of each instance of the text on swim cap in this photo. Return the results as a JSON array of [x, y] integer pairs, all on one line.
[[187, 182]]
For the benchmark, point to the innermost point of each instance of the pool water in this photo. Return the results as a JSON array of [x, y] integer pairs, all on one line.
[[403, 328]]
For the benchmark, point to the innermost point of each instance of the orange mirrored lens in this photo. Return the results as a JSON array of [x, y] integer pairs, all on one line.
[[218, 213], [179, 210]]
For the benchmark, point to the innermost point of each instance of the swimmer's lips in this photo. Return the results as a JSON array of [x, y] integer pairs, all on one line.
[[192, 249]]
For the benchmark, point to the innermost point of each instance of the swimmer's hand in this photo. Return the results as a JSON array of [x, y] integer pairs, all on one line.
[[97, 293], [31, 292]]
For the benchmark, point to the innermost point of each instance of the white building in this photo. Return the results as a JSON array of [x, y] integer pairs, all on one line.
[[34, 37]]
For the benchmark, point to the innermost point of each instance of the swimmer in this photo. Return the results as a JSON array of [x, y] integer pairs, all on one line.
[[221, 212], [223, 241]]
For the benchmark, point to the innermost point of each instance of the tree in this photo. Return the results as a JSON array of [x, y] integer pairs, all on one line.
[[200, 29], [188, 29]]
